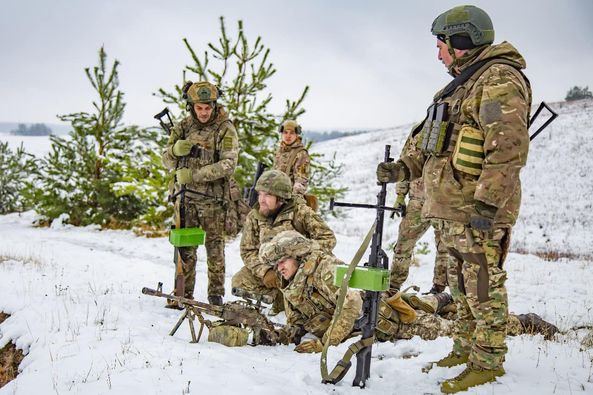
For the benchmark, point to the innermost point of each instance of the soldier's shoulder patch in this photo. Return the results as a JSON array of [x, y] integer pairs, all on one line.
[[227, 143]]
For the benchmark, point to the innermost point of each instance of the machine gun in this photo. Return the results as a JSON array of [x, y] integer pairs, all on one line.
[[373, 277], [240, 313], [250, 194]]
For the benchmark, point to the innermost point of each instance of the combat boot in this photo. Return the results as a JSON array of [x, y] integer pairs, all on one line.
[[533, 323], [436, 289], [470, 377], [452, 359], [215, 300], [431, 303]]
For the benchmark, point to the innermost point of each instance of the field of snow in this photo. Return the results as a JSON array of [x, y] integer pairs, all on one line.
[[77, 311]]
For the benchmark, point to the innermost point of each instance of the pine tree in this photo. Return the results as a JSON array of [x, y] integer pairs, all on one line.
[[80, 175], [578, 93], [242, 71], [16, 168]]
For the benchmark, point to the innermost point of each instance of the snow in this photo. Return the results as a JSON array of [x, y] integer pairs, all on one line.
[[78, 314]]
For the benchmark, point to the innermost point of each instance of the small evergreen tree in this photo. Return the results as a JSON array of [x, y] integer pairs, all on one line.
[[578, 93], [242, 71], [79, 176], [16, 168]]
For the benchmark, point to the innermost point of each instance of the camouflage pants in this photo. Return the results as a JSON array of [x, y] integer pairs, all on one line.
[[426, 326], [245, 280], [411, 229], [210, 217], [476, 279]]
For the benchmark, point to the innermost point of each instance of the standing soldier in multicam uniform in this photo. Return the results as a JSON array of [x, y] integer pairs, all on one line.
[[277, 210], [411, 229], [204, 149], [473, 145], [310, 298], [292, 157]]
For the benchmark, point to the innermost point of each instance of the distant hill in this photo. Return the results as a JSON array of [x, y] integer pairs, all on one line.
[[318, 136], [7, 127]]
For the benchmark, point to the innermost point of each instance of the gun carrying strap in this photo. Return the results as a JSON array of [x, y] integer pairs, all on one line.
[[344, 364], [475, 70]]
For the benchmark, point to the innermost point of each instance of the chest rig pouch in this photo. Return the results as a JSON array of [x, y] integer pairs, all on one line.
[[435, 133], [440, 131]]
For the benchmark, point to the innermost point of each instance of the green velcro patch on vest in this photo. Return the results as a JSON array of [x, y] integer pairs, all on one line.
[[227, 143], [469, 151]]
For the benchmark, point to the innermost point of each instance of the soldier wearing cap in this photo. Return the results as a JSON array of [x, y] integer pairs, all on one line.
[[203, 150], [277, 210], [292, 157], [469, 151]]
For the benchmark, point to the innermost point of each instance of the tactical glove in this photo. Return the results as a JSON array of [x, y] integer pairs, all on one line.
[[400, 205], [271, 279], [309, 346], [389, 172], [183, 176], [484, 217], [182, 148], [290, 334]]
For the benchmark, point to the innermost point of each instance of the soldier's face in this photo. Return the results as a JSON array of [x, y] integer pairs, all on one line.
[[203, 111], [287, 267], [444, 55], [268, 204], [289, 136]]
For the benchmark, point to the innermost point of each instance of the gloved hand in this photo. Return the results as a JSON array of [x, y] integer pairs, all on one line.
[[271, 279], [484, 217], [184, 176], [182, 148], [290, 334], [388, 171], [309, 346]]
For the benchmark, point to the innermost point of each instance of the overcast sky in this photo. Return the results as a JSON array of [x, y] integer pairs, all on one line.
[[369, 64]]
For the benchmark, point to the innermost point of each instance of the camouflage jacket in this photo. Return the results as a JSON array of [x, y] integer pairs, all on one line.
[[294, 215], [415, 189], [214, 156], [294, 160], [310, 299], [495, 109]]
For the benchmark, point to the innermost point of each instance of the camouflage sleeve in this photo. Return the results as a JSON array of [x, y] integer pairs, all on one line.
[[503, 117], [300, 172], [352, 303], [228, 153], [170, 160], [412, 158], [314, 227], [249, 247], [294, 318]]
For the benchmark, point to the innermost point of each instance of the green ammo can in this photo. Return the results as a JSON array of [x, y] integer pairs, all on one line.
[[187, 237], [367, 278]]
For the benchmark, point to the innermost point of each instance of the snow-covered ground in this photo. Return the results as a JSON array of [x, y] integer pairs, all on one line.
[[77, 311]]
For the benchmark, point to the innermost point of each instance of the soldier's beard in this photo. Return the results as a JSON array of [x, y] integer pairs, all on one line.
[[270, 212]]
